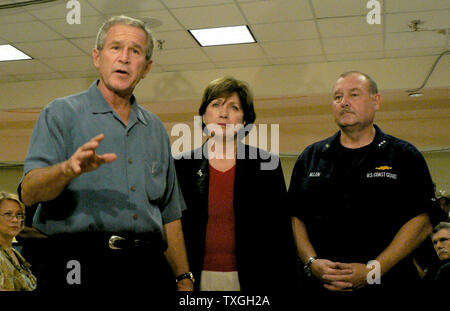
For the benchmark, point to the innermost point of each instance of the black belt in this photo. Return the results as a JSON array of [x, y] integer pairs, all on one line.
[[119, 242], [113, 241]]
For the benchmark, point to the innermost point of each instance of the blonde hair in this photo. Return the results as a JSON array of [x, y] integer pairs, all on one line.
[[13, 197]]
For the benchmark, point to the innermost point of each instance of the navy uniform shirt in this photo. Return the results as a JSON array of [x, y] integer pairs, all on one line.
[[354, 201], [138, 192]]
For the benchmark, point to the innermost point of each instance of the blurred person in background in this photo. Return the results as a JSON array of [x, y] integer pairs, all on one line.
[[15, 273]]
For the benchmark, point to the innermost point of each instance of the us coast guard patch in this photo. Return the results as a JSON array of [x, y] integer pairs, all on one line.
[[382, 171]]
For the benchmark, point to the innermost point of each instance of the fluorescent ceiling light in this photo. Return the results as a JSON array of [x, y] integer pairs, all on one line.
[[8, 52], [223, 35], [416, 94]]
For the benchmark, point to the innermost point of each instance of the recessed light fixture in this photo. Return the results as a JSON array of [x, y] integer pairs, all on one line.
[[223, 35], [415, 94], [8, 52]]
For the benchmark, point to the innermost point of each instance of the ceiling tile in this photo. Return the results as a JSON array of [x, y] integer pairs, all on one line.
[[5, 78], [353, 44], [354, 56], [88, 28], [163, 20], [413, 52], [58, 10], [75, 63], [276, 11], [211, 16], [242, 63], [410, 40], [289, 31], [180, 56], [92, 74], [86, 44], [234, 52], [298, 60], [176, 39], [415, 5], [24, 67], [39, 76], [29, 32], [49, 49], [189, 67], [171, 4], [347, 27], [333, 8], [120, 6], [15, 16], [292, 48], [432, 20]]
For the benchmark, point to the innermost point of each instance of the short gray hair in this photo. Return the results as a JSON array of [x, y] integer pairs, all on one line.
[[125, 20], [442, 225], [373, 88]]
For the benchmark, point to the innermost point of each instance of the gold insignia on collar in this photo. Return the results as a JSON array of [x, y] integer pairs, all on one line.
[[383, 168]]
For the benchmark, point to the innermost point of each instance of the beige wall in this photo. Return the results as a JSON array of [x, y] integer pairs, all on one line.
[[10, 178], [438, 163], [285, 95]]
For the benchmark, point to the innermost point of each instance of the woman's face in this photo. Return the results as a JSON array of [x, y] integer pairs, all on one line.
[[224, 116], [11, 218]]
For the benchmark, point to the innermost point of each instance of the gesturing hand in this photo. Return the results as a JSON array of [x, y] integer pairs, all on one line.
[[85, 159]]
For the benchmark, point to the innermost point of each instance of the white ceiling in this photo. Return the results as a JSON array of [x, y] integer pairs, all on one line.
[[287, 31], [321, 35]]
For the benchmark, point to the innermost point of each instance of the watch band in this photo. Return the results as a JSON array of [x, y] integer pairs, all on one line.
[[307, 266], [183, 276]]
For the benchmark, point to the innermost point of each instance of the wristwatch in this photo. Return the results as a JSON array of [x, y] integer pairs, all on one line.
[[307, 266], [183, 276]]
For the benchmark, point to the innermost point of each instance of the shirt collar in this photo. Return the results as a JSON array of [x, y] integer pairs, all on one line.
[[379, 141], [98, 103]]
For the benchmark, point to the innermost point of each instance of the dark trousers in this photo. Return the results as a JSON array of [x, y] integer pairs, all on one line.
[[85, 264]]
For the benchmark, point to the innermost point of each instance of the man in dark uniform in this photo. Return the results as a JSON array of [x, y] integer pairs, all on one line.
[[363, 231]]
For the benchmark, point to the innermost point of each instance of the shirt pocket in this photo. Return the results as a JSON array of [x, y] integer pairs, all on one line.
[[155, 180]]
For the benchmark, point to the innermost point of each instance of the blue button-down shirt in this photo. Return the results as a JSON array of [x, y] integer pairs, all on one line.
[[138, 192]]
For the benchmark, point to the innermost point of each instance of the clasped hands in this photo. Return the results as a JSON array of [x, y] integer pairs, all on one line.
[[85, 159], [338, 276]]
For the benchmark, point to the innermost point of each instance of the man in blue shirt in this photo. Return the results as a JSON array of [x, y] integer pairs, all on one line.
[[100, 169]]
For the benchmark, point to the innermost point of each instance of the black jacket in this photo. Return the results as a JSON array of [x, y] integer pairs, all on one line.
[[265, 251]]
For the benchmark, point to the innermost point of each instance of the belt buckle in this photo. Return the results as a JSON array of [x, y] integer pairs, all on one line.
[[113, 239]]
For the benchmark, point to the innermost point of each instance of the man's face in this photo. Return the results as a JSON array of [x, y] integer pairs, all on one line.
[[122, 62], [441, 242], [353, 105]]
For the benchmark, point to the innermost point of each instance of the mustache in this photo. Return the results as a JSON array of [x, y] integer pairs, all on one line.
[[442, 251]]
